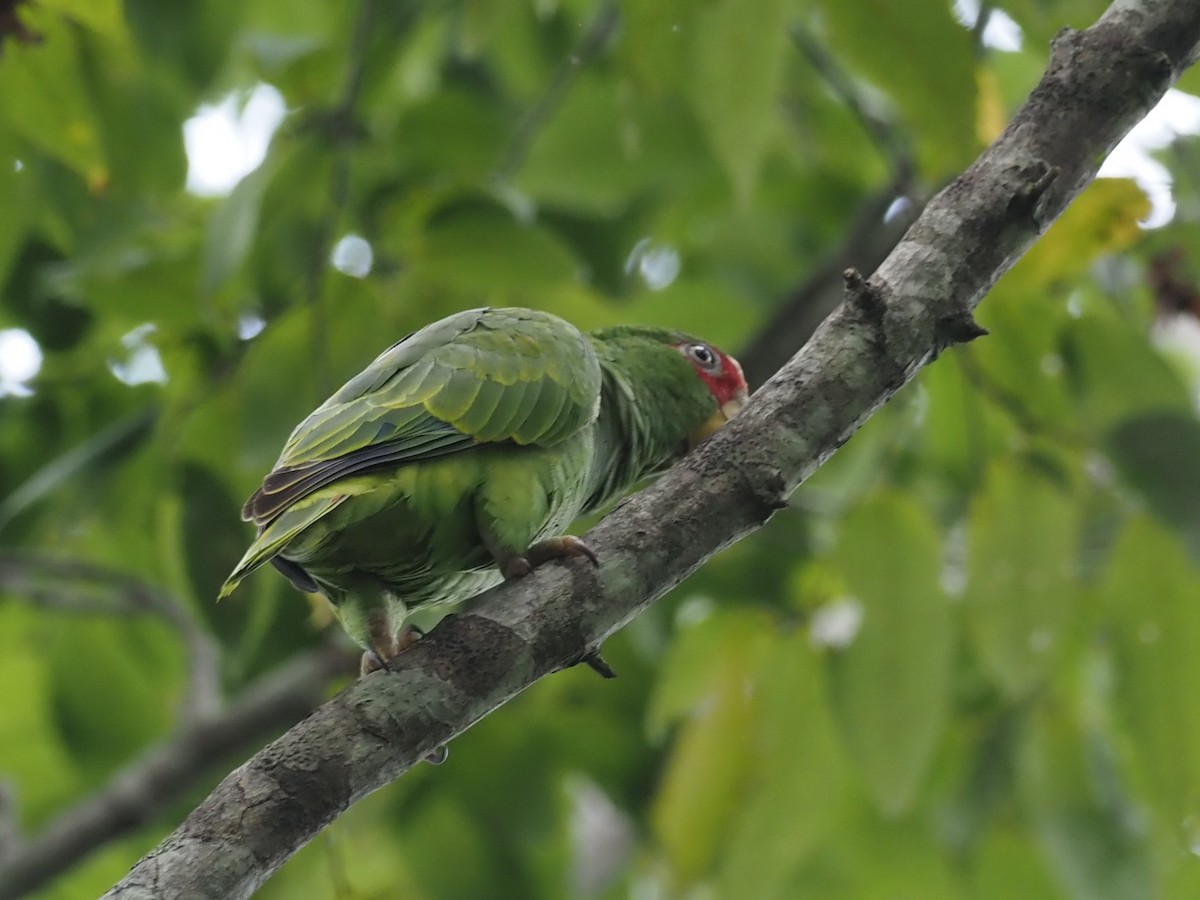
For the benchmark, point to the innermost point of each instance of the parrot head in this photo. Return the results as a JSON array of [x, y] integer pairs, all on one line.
[[723, 377], [682, 387]]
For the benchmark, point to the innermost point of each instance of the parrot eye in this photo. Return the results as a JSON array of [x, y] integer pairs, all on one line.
[[703, 355]]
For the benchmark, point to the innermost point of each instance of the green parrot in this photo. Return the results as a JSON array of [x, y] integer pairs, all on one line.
[[459, 456]]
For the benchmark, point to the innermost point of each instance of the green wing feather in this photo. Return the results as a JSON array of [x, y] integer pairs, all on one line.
[[481, 376]]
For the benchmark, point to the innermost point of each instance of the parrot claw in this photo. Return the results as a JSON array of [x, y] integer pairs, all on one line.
[[371, 662], [562, 547], [437, 756], [389, 648]]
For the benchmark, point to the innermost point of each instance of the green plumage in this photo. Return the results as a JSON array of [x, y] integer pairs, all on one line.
[[459, 448]]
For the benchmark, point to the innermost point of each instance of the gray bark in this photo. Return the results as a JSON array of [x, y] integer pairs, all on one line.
[[1098, 84]]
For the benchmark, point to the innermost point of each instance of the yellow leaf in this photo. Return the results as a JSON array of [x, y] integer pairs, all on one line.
[[990, 117], [1103, 220]]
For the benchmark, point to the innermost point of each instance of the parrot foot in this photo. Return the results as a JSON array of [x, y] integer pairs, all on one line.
[[543, 551], [437, 756], [371, 662], [387, 647]]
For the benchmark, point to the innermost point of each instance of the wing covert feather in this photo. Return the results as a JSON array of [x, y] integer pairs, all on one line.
[[480, 376]]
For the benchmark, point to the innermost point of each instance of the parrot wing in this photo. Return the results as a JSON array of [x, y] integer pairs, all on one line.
[[481, 376]]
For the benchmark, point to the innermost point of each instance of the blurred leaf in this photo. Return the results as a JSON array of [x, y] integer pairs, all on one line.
[[800, 775], [233, 229], [604, 148], [486, 251], [1008, 864], [212, 536], [990, 114], [748, 37], [1020, 368], [710, 763], [874, 859], [1157, 453], [19, 192], [106, 722], [43, 96], [1153, 593], [688, 676], [103, 16], [1117, 375], [452, 133], [113, 442], [445, 831], [1103, 219], [1087, 825], [935, 94], [890, 687], [656, 41], [1020, 568], [33, 755], [959, 433]]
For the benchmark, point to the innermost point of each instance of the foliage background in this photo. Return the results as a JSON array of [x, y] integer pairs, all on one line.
[[965, 664]]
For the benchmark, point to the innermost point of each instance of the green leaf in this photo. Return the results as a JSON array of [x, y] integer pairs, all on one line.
[[1153, 593], [890, 686], [709, 765], [1088, 826], [106, 722], [654, 41], [738, 112], [102, 16], [935, 93], [797, 798], [687, 677], [603, 149], [44, 98], [1008, 864], [1020, 569], [112, 443], [444, 831], [487, 251], [1118, 374], [1021, 368], [32, 753], [233, 229], [1157, 453]]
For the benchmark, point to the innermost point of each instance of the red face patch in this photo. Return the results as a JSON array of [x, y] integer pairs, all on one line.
[[716, 369]]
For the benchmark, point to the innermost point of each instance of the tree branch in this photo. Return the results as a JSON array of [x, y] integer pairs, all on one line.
[[1098, 84], [888, 135], [147, 788]]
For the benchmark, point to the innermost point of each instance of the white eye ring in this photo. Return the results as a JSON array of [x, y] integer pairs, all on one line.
[[703, 355]]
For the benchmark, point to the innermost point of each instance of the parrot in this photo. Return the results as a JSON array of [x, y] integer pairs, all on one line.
[[460, 456]]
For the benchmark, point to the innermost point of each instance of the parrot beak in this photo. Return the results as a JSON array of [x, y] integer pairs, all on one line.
[[722, 415]]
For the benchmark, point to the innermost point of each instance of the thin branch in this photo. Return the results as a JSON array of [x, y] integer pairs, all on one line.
[[887, 135], [1098, 85], [874, 229], [82, 587], [147, 788], [979, 27], [590, 45], [868, 240]]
